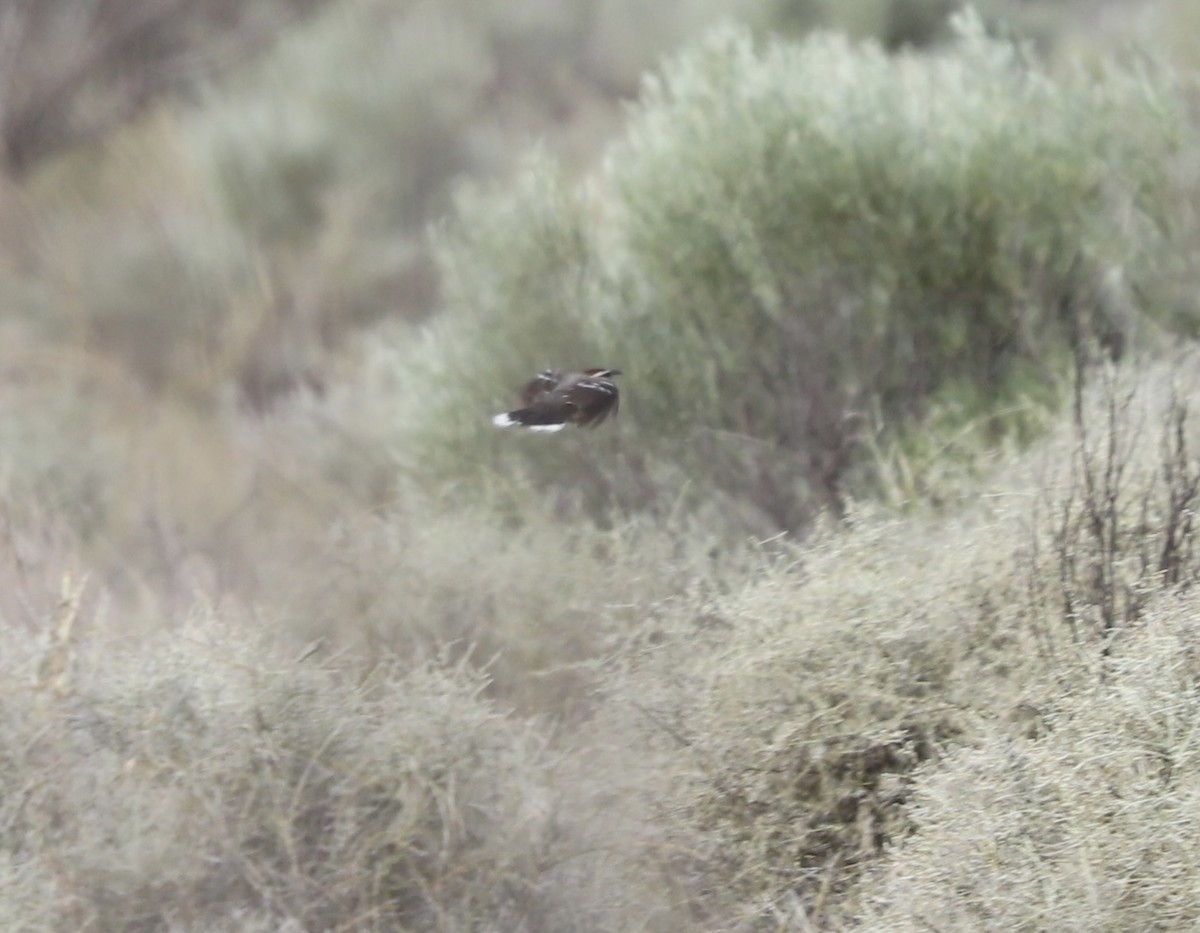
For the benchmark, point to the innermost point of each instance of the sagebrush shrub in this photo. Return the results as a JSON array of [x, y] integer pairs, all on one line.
[[1086, 825], [223, 782], [796, 240]]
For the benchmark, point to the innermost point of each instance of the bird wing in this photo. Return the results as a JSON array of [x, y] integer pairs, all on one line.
[[593, 400]]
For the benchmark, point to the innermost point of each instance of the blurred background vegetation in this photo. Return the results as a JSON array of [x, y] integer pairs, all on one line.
[[903, 459]]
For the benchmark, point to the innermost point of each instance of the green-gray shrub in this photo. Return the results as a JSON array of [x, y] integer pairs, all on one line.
[[793, 238]]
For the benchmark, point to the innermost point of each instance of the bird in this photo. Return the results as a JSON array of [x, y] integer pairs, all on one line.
[[551, 400]]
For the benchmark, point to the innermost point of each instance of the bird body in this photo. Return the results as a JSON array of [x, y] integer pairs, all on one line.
[[551, 400]]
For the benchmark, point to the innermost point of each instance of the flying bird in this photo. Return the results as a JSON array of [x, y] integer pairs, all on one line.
[[551, 400]]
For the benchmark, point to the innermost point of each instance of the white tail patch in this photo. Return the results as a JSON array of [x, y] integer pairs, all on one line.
[[503, 420]]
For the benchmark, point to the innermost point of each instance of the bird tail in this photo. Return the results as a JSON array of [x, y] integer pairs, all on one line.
[[522, 418]]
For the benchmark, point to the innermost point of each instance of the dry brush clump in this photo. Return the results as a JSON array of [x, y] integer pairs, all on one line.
[[797, 709], [800, 713], [1087, 822], [1116, 514], [200, 778], [538, 605]]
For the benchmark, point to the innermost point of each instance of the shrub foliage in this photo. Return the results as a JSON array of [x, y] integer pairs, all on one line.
[[798, 242]]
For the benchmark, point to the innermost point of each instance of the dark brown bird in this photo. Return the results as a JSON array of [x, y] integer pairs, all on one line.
[[550, 400]]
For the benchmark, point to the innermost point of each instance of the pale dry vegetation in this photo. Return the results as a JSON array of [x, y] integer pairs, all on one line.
[[874, 610]]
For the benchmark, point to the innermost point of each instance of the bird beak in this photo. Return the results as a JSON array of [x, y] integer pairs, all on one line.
[[614, 372]]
